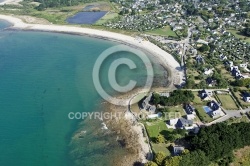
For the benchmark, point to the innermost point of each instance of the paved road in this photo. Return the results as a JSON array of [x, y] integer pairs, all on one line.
[[230, 114]]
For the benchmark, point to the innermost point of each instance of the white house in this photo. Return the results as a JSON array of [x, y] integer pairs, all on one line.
[[243, 65], [231, 63], [190, 116], [173, 122], [208, 71], [223, 57]]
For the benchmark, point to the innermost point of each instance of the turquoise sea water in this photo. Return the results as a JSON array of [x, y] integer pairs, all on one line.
[[43, 77]]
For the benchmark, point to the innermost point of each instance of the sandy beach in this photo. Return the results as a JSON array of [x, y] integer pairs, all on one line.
[[165, 58], [175, 74]]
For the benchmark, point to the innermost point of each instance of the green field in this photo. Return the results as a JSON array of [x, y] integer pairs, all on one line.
[[161, 148], [166, 31], [236, 34], [174, 112], [204, 117], [227, 102], [109, 16], [155, 128], [226, 74]]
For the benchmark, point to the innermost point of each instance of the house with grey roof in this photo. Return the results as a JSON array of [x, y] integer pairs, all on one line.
[[177, 150], [147, 106]]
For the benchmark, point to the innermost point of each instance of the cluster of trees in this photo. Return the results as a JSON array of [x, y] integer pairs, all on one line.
[[162, 2], [161, 159], [196, 158], [176, 97], [221, 82], [190, 9], [218, 141], [167, 137], [204, 48], [246, 31], [242, 82], [212, 144]]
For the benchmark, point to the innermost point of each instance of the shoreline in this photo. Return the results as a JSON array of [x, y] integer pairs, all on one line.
[[165, 59]]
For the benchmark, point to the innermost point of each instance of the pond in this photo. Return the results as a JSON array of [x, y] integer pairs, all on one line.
[[86, 17]]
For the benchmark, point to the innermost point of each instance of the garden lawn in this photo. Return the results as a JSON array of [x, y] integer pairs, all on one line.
[[204, 117], [166, 31], [227, 102], [109, 16], [161, 148], [197, 99], [238, 35], [155, 128], [174, 112]]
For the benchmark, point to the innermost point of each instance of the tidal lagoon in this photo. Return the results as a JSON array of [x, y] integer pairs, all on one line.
[[45, 76]]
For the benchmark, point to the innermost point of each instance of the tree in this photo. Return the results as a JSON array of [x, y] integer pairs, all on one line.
[[41, 7], [195, 158], [156, 99], [150, 163], [190, 83], [185, 151], [172, 161], [160, 139], [219, 140], [246, 31], [181, 132], [160, 157], [204, 48]]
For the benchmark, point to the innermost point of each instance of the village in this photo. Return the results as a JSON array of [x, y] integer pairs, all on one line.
[[196, 120], [166, 125], [207, 39]]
